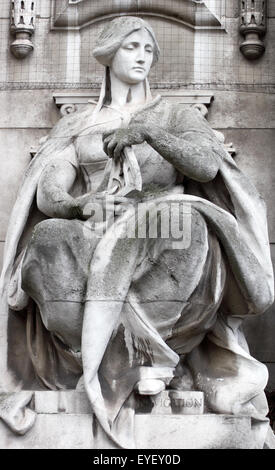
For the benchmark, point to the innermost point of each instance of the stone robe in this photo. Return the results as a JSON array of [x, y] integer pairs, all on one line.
[[173, 303]]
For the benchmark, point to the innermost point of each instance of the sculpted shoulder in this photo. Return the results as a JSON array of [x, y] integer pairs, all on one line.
[[172, 116], [69, 125], [157, 112]]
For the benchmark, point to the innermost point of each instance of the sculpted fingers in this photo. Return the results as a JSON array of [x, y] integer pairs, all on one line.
[[111, 147], [106, 142], [118, 149], [115, 146], [113, 143], [107, 134]]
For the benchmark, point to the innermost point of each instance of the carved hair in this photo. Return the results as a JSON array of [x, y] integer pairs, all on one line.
[[114, 33]]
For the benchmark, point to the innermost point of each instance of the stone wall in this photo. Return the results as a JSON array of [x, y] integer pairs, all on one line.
[[243, 108]]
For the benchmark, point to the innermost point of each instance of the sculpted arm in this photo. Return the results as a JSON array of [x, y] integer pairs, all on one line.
[[194, 151], [196, 160], [53, 198]]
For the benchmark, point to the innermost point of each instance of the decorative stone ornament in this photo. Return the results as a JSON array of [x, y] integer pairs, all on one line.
[[253, 27], [22, 26], [77, 14]]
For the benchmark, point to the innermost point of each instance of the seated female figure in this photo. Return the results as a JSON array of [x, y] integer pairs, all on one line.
[[140, 313]]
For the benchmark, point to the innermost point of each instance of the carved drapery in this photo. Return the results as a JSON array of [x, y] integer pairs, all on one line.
[[253, 25], [69, 103], [22, 26]]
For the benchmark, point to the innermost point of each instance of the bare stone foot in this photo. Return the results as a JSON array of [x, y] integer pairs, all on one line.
[[150, 386]]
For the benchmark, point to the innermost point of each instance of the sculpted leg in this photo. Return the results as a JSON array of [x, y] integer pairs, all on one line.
[[54, 274]]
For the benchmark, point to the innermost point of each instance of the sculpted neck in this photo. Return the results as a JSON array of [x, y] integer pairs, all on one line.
[[126, 95]]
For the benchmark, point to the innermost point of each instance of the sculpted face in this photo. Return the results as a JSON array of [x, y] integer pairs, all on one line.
[[132, 61]]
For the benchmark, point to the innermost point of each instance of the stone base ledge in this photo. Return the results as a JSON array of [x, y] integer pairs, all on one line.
[[65, 421], [75, 431], [208, 431]]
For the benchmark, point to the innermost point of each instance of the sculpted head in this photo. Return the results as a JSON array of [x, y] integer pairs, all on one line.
[[127, 45]]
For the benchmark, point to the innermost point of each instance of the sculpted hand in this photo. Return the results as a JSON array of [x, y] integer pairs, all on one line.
[[115, 141], [98, 206], [86, 203], [66, 209]]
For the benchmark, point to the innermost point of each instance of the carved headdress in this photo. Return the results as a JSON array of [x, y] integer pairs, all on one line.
[[114, 34]]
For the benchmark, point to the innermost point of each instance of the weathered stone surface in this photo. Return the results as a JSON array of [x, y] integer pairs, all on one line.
[[238, 110], [27, 109], [255, 157], [15, 157], [83, 13], [64, 57], [178, 402], [260, 333], [5, 10], [236, 69], [232, 9], [69, 402], [64, 421], [193, 432], [75, 431], [52, 431], [44, 9]]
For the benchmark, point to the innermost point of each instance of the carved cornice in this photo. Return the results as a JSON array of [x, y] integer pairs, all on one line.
[[22, 26], [253, 26], [69, 102], [76, 14]]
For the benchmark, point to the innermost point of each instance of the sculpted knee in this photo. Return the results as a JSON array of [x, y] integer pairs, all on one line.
[[46, 231]]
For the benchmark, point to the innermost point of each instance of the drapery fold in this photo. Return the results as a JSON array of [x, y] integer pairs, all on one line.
[[222, 367]]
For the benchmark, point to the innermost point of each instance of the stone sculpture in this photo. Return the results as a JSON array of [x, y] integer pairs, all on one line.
[[115, 310], [253, 26], [23, 27]]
